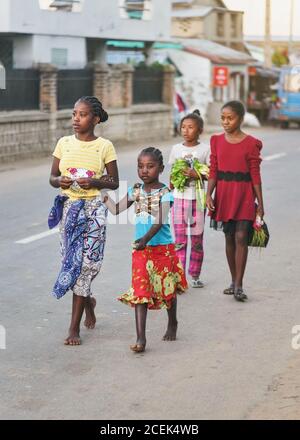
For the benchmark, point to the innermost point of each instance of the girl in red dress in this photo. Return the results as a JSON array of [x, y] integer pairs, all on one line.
[[235, 177]]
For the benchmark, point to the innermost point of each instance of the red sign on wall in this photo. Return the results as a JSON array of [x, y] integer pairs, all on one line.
[[220, 78]]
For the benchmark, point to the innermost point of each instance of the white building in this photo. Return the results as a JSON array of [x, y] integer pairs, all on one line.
[[70, 33]]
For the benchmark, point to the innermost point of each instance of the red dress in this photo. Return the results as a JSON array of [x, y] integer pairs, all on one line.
[[236, 168]]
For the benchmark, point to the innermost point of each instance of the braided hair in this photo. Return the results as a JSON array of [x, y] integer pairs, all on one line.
[[196, 116], [237, 107], [96, 107], [155, 153]]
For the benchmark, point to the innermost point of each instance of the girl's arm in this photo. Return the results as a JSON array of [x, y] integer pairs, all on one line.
[[259, 196], [158, 222], [56, 180], [213, 173], [111, 181], [254, 166], [210, 189]]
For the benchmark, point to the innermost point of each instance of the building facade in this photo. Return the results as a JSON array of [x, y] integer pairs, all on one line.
[[209, 20], [70, 33]]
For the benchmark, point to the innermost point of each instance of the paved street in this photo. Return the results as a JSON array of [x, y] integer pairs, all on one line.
[[231, 360]]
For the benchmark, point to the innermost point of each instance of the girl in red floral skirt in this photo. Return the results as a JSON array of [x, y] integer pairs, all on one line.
[[157, 274], [235, 175]]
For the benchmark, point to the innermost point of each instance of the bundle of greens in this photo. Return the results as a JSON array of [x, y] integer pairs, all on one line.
[[179, 180], [259, 234]]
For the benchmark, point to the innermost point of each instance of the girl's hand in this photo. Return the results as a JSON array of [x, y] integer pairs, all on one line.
[[140, 244], [260, 211], [65, 182], [210, 203], [190, 173], [85, 182]]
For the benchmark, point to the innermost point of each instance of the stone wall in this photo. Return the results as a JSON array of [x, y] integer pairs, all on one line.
[[27, 134]]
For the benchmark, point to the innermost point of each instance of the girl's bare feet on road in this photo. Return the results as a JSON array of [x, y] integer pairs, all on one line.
[[73, 338], [90, 317], [171, 332]]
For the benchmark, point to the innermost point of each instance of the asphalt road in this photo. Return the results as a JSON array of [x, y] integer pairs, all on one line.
[[228, 355]]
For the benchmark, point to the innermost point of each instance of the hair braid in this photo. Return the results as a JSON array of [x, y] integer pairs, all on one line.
[[155, 153], [96, 107]]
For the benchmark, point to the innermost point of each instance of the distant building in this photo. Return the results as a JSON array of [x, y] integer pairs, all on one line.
[[209, 20], [279, 42], [70, 33]]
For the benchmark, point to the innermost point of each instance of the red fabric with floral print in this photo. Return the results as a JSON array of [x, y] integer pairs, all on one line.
[[157, 275]]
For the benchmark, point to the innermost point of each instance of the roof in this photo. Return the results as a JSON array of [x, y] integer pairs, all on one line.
[[202, 11], [215, 52], [182, 1], [256, 52], [266, 72], [220, 2]]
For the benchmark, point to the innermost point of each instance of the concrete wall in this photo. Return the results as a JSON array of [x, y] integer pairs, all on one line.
[[188, 27], [211, 33], [5, 16], [98, 19], [76, 50], [27, 135]]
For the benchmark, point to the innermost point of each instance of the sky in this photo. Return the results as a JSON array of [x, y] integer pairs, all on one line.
[[255, 16]]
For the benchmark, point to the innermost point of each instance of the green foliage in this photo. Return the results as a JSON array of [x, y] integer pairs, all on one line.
[[280, 58]]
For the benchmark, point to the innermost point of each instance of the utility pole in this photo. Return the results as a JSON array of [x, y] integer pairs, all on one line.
[[268, 41], [291, 27]]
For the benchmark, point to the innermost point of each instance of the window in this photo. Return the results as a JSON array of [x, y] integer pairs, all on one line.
[[6, 53], [136, 9], [62, 5], [292, 83], [220, 25], [59, 57], [234, 25], [2, 77]]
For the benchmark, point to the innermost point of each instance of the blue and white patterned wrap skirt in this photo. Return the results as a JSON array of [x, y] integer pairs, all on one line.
[[93, 243]]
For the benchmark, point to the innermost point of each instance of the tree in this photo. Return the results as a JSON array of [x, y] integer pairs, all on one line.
[[280, 58]]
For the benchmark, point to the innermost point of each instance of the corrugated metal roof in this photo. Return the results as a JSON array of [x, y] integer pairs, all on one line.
[[215, 52], [196, 12]]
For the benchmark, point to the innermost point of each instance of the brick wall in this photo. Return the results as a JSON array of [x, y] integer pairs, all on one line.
[[28, 134]]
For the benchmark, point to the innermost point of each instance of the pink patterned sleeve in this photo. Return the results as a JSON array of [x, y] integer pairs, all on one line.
[[254, 160], [213, 159]]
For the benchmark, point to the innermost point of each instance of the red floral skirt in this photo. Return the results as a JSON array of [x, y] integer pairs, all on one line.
[[157, 275]]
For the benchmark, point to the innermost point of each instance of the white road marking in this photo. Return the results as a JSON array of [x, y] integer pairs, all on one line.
[[274, 156], [37, 236]]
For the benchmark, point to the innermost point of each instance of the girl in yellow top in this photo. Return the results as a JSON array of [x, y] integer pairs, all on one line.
[[78, 165]]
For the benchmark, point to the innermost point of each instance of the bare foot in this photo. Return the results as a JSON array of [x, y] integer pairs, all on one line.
[[90, 317], [171, 332], [73, 339]]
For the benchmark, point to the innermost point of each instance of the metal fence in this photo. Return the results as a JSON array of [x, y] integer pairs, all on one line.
[[22, 90], [147, 85], [72, 84]]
